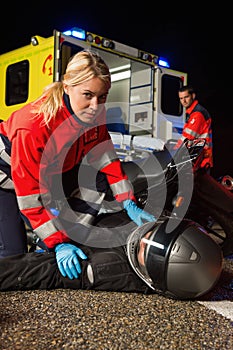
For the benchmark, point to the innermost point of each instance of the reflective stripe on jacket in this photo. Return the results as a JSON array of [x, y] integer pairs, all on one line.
[[5, 162]]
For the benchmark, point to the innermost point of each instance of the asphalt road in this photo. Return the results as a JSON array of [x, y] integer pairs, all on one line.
[[80, 319]]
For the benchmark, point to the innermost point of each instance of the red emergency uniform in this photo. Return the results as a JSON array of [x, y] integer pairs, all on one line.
[[38, 152], [198, 125]]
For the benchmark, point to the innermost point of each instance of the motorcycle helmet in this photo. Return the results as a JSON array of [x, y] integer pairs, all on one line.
[[181, 260]]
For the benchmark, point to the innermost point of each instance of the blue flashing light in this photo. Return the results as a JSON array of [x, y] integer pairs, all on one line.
[[67, 32], [76, 32], [163, 63]]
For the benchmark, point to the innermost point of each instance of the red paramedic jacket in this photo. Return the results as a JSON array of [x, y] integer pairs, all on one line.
[[198, 125], [57, 148]]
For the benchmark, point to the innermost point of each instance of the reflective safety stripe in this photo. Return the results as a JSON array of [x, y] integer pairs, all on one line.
[[122, 186], [52, 226], [194, 133], [86, 219], [3, 154], [105, 159], [182, 138], [88, 195], [48, 228], [76, 217], [38, 200], [30, 201], [5, 181]]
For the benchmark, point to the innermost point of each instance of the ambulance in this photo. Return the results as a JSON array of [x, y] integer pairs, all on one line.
[[143, 95]]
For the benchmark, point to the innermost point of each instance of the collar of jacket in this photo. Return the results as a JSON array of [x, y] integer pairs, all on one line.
[[190, 109]]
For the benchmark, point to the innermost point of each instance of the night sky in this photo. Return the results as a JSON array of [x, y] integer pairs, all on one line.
[[193, 40]]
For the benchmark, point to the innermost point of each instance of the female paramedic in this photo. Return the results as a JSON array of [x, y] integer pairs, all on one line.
[[56, 152]]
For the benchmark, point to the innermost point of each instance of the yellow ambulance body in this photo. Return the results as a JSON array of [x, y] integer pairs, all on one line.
[[24, 73]]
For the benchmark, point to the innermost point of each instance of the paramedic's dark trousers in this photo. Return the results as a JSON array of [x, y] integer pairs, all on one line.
[[13, 239]]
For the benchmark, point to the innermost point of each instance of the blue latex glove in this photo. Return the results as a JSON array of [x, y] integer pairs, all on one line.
[[55, 211], [137, 214], [67, 259]]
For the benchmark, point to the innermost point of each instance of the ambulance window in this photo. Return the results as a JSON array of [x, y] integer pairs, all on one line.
[[170, 103], [17, 79], [67, 51]]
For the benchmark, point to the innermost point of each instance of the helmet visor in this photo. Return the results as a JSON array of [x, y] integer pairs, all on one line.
[[138, 245]]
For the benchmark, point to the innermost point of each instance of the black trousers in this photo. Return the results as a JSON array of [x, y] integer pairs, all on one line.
[[13, 239], [106, 269]]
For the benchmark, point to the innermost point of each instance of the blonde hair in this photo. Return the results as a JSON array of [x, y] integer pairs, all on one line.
[[82, 67]]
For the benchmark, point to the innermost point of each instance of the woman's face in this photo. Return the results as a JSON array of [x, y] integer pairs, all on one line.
[[87, 99]]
